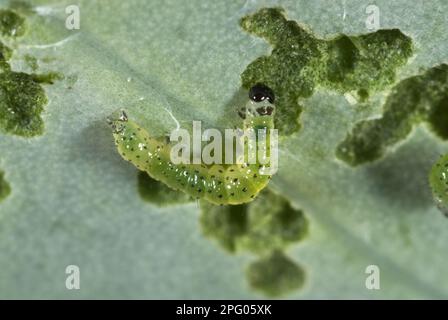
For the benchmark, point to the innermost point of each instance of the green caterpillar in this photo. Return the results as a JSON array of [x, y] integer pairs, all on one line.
[[216, 183], [438, 180]]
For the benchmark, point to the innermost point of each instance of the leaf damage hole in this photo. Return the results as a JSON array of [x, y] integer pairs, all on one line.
[[265, 227], [275, 275], [419, 99], [22, 96], [300, 61], [5, 188], [159, 193]]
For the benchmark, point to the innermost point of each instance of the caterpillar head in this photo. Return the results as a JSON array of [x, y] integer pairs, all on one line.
[[260, 104], [259, 110], [117, 121], [128, 134]]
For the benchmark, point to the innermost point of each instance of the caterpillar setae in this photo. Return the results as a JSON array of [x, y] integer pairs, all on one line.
[[217, 183], [438, 180]]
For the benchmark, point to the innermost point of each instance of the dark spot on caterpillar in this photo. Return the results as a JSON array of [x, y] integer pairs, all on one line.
[[232, 194], [232, 170], [227, 178], [199, 190], [137, 156], [213, 177], [220, 196], [235, 180], [244, 189], [202, 178], [262, 111], [220, 171], [255, 175]]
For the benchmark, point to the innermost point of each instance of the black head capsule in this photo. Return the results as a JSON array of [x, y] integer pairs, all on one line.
[[260, 92]]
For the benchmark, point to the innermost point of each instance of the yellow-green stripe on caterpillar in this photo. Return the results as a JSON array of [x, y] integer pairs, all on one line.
[[217, 183]]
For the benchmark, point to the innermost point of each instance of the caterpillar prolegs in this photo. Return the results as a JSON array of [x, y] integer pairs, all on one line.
[[217, 183]]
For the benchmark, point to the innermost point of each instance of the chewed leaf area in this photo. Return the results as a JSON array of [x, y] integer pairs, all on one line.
[[5, 189], [421, 98], [300, 62], [265, 227], [5, 55], [266, 224], [275, 275], [159, 193], [11, 23], [22, 100], [22, 97]]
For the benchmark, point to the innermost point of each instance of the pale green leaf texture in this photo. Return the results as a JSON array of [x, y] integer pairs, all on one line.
[[73, 200]]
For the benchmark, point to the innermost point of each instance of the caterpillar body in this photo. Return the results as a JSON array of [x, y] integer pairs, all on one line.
[[216, 183], [438, 180]]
